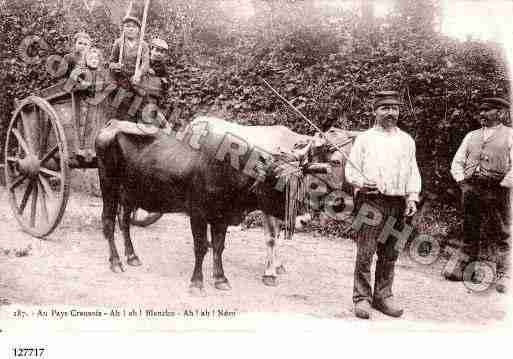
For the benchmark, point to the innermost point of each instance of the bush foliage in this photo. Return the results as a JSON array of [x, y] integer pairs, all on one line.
[[327, 61]]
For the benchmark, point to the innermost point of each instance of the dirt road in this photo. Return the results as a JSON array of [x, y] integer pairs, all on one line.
[[70, 267]]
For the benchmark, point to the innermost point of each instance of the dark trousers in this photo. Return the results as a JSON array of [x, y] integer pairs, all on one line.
[[486, 220], [367, 245]]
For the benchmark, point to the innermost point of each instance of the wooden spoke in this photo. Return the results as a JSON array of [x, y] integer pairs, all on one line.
[[21, 141], [25, 198], [46, 188], [17, 182], [50, 154], [33, 208], [50, 172], [12, 159], [36, 141], [45, 128], [44, 208], [28, 130]]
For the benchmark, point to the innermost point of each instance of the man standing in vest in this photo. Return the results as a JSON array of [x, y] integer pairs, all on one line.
[[387, 183], [482, 169]]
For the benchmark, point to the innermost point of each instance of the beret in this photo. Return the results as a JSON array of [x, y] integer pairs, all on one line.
[[82, 35], [386, 98], [131, 19], [493, 102], [159, 43]]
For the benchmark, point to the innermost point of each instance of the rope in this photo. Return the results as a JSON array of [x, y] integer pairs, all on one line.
[[339, 148]]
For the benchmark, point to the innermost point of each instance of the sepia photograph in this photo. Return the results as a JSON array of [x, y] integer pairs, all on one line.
[[246, 166]]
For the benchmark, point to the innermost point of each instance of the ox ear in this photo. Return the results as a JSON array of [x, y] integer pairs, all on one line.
[[263, 166]]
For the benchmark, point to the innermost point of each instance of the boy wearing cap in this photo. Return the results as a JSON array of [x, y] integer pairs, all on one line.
[[482, 168], [126, 47], [384, 173], [82, 43], [158, 57]]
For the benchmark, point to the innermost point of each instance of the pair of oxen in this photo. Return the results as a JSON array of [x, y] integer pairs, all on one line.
[[216, 172]]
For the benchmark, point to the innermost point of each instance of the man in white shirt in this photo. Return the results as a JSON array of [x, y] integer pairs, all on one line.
[[482, 168], [384, 173]]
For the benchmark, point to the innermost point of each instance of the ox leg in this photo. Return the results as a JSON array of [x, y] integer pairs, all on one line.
[[278, 260], [131, 257], [218, 234], [271, 230], [199, 233], [110, 196]]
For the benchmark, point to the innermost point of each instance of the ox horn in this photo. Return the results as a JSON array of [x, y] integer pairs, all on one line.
[[317, 168]]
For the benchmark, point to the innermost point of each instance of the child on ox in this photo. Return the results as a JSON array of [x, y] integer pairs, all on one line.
[[158, 57], [158, 81], [123, 61]]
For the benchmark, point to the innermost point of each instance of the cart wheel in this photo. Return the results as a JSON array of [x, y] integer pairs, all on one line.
[[36, 166]]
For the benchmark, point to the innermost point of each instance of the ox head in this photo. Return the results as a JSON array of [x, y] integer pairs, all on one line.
[[303, 179], [327, 155], [328, 195]]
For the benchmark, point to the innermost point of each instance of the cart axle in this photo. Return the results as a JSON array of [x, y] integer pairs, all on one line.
[[29, 166]]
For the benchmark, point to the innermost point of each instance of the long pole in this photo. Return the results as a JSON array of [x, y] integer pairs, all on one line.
[[122, 47], [141, 37], [316, 128]]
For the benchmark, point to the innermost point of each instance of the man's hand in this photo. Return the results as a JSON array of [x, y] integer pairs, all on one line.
[[114, 66], [370, 184], [464, 186], [136, 78], [411, 208], [370, 187]]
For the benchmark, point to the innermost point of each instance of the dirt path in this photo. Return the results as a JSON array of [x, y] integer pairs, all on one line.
[[70, 267]]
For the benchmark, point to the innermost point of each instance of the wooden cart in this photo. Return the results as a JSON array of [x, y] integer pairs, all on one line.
[[50, 133]]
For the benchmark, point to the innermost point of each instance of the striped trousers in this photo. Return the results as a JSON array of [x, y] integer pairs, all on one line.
[[367, 245]]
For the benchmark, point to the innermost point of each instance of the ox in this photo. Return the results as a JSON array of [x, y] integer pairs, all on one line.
[[214, 171]]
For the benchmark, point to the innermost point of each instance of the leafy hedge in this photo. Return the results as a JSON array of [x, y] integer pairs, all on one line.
[[328, 62]]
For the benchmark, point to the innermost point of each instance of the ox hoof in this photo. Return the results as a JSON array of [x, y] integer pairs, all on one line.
[[223, 285], [281, 269], [134, 261], [197, 291], [270, 280], [117, 267]]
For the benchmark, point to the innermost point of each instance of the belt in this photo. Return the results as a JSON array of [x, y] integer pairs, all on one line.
[[369, 192], [485, 181]]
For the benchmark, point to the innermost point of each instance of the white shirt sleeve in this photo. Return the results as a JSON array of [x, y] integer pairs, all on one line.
[[353, 175], [507, 181], [459, 160], [414, 183]]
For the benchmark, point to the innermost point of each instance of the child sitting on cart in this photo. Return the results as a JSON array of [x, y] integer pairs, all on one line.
[[77, 56]]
